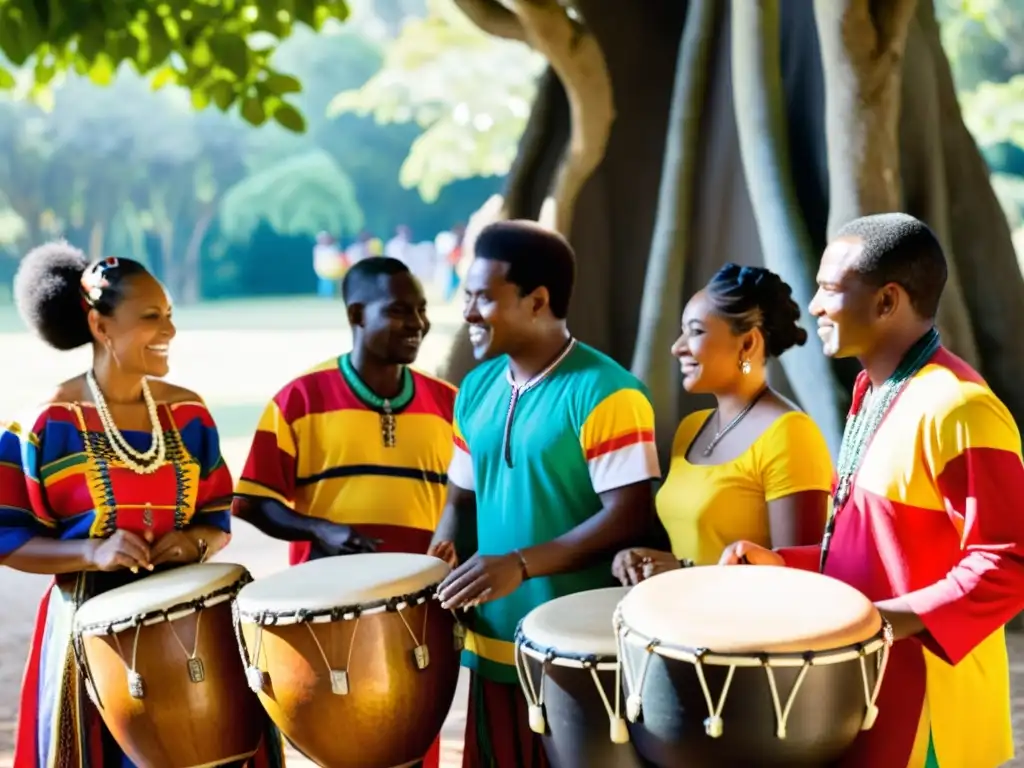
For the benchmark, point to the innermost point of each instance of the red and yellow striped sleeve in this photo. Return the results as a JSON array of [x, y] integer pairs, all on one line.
[[974, 452], [270, 468], [460, 471], [618, 441], [23, 512]]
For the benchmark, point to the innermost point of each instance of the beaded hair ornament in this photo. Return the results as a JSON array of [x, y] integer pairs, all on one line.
[[94, 280]]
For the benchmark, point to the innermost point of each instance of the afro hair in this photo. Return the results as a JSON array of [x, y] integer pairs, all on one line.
[[48, 294]]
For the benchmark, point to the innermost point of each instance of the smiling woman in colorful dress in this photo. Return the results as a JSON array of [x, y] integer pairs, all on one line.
[[116, 475], [755, 467]]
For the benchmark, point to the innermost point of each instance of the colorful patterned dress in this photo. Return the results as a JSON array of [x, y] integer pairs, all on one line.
[[538, 462], [936, 516], [60, 478]]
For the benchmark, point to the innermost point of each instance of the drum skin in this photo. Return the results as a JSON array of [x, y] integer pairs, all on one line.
[[178, 724], [577, 723], [393, 711], [824, 720]]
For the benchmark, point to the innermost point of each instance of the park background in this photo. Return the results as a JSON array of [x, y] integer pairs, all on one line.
[[411, 116]]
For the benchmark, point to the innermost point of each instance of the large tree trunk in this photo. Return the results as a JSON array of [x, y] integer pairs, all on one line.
[[615, 213], [764, 149], [661, 304]]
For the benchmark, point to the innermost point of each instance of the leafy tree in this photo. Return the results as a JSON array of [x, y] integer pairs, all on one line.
[[434, 75]]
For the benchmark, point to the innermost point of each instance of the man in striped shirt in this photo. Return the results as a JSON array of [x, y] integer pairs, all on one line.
[[352, 456]]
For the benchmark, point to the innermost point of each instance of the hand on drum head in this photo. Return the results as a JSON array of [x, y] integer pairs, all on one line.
[[444, 550], [175, 547], [480, 579], [334, 539], [749, 553], [123, 549], [631, 566]]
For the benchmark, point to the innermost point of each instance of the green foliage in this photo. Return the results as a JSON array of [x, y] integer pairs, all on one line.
[[994, 112], [301, 195], [432, 76], [220, 52]]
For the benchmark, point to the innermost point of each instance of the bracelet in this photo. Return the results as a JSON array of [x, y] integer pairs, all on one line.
[[524, 572]]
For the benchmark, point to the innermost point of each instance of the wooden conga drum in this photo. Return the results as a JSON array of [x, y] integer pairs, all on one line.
[[568, 666], [159, 660], [749, 666], [352, 657]]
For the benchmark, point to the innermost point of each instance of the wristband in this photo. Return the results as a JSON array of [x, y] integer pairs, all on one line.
[[524, 572]]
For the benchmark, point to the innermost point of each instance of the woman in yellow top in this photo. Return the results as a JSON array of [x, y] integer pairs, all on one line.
[[754, 468]]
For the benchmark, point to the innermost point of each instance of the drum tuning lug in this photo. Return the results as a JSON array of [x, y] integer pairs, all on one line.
[[714, 726], [619, 732], [339, 682], [421, 653], [633, 706], [537, 722], [254, 676], [136, 687], [460, 636], [869, 717]]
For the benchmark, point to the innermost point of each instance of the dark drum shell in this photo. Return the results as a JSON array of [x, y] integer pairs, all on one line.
[[577, 733], [392, 712], [178, 723], [825, 717]]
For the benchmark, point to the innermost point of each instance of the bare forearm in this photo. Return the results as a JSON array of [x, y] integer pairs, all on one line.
[[458, 521], [52, 556], [599, 537], [905, 623], [275, 519]]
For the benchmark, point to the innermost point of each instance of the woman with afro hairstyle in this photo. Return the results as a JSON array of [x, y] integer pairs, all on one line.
[[116, 431], [755, 467]]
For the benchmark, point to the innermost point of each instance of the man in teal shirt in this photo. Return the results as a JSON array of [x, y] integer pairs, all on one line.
[[554, 458]]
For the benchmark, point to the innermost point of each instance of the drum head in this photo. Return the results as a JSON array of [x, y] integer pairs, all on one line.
[[336, 582], [159, 592], [750, 609], [575, 625]]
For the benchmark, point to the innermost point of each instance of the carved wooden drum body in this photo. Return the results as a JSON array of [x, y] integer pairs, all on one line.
[[160, 662], [567, 661], [352, 657], [749, 666]]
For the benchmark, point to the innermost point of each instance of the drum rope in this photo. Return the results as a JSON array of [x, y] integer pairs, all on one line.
[[534, 699], [253, 673], [782, 713], [618, 732], [634, 682], [420, 653], [195, 641], [339, 678], [135, 683], [871, 696], [713, 725]]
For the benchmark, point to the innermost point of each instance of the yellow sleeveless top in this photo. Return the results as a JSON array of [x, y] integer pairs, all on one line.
[[704, 508]]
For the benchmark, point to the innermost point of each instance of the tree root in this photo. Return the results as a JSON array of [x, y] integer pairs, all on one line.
[[662, 302], [764, 149]]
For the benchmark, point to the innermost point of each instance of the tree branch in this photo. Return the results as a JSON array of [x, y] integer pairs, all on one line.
[[493, 18], [661, 305], [577, 58], [764, 150]]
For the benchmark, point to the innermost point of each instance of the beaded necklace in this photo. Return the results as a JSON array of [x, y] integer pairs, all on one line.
[[863, 422], [385, 406]]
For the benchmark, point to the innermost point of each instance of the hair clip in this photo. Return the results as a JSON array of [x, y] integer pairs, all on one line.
[[94, 279]]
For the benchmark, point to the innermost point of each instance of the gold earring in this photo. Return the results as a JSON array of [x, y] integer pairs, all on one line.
[[745, 367]]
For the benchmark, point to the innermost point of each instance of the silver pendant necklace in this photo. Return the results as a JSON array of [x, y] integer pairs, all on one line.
[[736, 420]]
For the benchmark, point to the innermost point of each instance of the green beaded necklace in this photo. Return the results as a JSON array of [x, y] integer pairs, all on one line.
[[386, 407], [864, 422]]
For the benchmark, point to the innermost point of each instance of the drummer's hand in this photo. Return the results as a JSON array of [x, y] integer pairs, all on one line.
[[631, 566], [480, 579], [335, 539], [123, 549], [444, 550], [749, 553], [175, 547]]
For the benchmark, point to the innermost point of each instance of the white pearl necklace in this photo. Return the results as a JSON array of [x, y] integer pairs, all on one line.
[[139, 462]]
